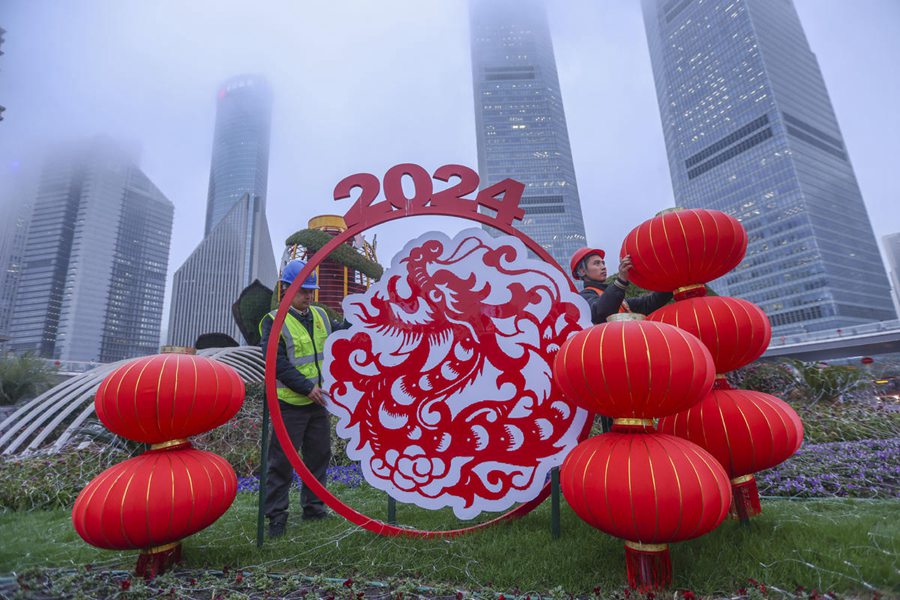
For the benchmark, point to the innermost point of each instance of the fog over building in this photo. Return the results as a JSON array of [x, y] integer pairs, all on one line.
[[95, 258], [236, 248], [750, 130], [520, 123]]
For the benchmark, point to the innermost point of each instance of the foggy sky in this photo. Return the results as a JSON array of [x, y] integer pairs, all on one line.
[[360, 86]]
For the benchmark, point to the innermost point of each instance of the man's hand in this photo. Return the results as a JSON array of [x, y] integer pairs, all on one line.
[[624, 266], [317, 396]]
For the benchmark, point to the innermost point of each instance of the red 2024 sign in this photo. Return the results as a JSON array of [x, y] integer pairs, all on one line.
[[500, 200]]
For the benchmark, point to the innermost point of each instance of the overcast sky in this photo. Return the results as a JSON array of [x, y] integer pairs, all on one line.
[[363, 85]]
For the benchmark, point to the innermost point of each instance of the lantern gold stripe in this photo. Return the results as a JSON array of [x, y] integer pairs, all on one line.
[[736, 402], [649, 371], [118, 392], [159, 385], [637, 533], [724, 501], [609, 454], [699, 488], [628, 385], [122, 508], [653, 484], [688, 247], [680, 495]]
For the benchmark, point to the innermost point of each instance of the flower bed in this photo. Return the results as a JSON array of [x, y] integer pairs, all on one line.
[[860, 469]]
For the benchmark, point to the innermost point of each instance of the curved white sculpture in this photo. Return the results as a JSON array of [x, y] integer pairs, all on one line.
[[19, 433]]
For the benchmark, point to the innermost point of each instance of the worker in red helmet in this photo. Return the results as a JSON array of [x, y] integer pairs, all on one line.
[[606, 299]]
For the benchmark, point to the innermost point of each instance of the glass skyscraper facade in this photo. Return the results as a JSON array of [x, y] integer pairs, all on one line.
[[95, 258], [520, 122], [892, 249], [240, 152], [236, 248], [750, 130]]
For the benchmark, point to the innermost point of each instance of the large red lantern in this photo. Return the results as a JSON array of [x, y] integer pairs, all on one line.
[[684, 247], [154, 499], [746, 431], [634, 369], [735, 331], [168, 396], [649, 489], [171, 491], [634, 483]]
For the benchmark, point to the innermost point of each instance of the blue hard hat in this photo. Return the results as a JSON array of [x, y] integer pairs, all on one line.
[[292, 269]]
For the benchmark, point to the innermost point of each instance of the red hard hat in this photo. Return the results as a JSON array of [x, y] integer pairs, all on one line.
[[580, 255]]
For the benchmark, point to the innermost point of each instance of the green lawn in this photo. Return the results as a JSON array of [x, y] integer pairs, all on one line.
[[849, 546]]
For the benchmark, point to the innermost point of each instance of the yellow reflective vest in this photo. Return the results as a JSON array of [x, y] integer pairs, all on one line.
[[304, 352]]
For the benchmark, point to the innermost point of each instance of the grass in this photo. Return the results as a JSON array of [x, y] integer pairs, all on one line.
[[848, 546]]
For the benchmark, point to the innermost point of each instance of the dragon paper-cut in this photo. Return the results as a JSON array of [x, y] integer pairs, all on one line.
[[443, 385]]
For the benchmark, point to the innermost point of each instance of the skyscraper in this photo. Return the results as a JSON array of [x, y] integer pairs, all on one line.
[[892, 249], [236, 251], [240, 152], [236, 247], [95, 258], [750, 130], [16, 197], [520, 122]]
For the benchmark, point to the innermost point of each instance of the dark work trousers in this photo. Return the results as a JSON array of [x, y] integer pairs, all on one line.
[[310, 431]]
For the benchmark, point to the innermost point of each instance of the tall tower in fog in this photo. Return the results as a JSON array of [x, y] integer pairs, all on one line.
[[236, 247], [750, 130], [520, 122], [95, 259]]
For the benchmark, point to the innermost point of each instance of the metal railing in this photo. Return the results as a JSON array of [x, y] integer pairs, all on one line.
[[834, 334]]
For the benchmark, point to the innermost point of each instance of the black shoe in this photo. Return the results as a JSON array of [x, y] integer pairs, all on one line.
[[277, 527], [317, 516]]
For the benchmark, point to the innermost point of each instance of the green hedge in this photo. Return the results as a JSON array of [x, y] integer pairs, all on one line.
[[313, 240]]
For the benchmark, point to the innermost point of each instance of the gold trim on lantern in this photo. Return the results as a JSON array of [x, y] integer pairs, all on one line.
[[630, 421], [666, 211], [618, 317], [646, 547], [688, 288], [163, 548], [741, 479], [177, 350], [169, 444]]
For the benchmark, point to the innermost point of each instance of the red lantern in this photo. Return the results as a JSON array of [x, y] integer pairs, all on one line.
[[735, 331], [649, 489], [634, 369], [171, 491], [684, 248], [165, 397], [154, 499], [746, 431]]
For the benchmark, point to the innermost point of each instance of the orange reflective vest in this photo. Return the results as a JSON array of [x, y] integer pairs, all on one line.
[[622, 309]]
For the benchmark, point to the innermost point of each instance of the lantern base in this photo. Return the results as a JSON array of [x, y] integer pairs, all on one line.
[[158, 560], [744, 499], [648, 566]]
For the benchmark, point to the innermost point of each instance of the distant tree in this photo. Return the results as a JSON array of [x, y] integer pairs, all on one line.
[[23, 376]]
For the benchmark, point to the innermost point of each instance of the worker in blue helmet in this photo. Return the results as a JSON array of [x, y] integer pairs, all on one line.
[[298, 369]]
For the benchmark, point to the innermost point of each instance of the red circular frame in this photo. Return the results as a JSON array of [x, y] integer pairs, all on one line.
[[352, 515]]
